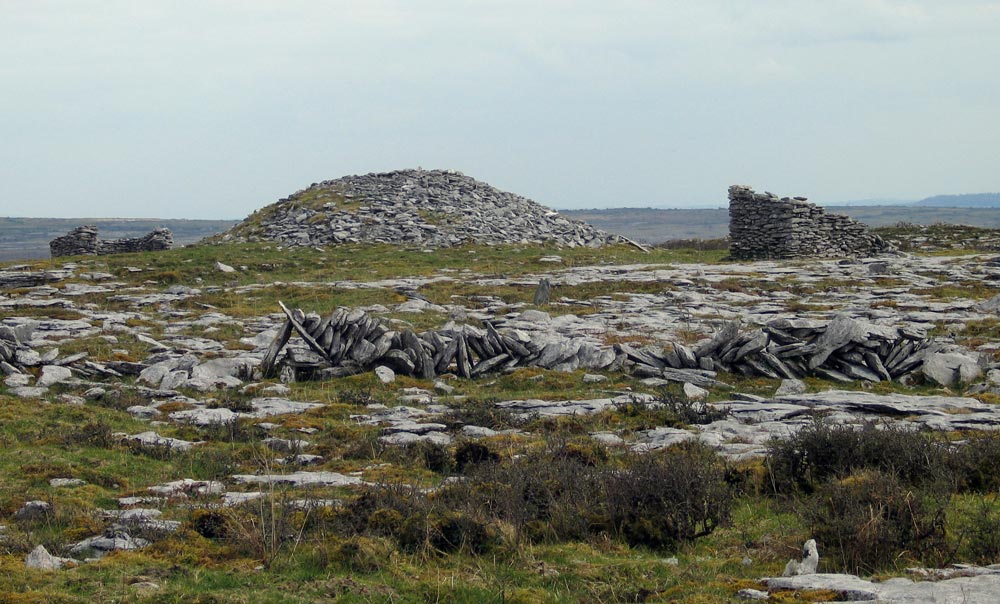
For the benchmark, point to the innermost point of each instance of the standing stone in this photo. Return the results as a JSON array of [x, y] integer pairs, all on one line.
[[41, 559], [790, 386], [385, 374], [542, 292]]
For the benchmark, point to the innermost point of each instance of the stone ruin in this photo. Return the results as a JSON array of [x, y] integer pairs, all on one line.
[[83, 241], [763, 226], [349, 341]]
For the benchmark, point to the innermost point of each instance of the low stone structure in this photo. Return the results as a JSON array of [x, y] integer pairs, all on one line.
[[350, 341], [764, 226], [83, 241]]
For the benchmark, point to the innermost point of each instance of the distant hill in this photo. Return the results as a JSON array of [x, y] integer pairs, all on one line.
[[24, 238], [971, 200]]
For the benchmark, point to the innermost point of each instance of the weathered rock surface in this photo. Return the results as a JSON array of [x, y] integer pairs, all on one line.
[[978, 589], [328, 479], [115, 538]]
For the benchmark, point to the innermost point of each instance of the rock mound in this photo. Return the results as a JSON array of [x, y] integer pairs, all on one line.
[[431, 208]]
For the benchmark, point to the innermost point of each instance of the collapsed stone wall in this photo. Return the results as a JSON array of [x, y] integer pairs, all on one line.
[[83, 241], [764, 226]]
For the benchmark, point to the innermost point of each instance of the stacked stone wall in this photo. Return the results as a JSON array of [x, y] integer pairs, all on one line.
[[83, 241], [765, 226]]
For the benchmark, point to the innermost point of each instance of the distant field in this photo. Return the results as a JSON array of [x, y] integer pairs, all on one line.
[[23, 238], [657, 225]]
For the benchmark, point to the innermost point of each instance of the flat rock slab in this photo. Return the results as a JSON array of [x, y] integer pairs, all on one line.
[[112, 541], [187, 486], [570, 407], [409, 438], [982, 589], [325, 479], [270, 406], [262, 408], [152, 439]]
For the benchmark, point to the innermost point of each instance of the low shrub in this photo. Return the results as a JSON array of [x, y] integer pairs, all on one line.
[[871, 521], [660, 500], [485, 413], [982, 534], [823, 451], [470, 454], [210, 524], [543, 496], [974, 464], [657, 500], [415, 521], [360, 554]]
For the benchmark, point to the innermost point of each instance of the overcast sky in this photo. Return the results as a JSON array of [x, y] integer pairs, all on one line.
[[211, 109]]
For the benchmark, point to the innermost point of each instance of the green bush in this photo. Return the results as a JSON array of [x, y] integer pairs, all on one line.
[[823, 451], [982, 533], [663, 499], [872, 521], [975, 463], [543, 496], [470, 454], [657, 500]]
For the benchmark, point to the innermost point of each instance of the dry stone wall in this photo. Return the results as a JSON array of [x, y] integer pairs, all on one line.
[[83, 241], [764, 226]]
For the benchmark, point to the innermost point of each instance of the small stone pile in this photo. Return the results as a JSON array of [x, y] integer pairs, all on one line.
[[83, 241], [430, 208], [764, 226]]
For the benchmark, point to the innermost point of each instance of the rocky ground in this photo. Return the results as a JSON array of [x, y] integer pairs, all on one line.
[[177, 355]]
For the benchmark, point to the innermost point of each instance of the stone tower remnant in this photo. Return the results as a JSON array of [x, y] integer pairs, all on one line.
[[765, 226], [83, 241]]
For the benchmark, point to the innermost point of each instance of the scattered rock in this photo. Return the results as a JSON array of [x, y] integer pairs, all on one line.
[[115, 538], [385, 375], [694, 393], [41, 559], [52, 375], [791, 386], [33, 511], [808, 564], [950, 368], [66, 482]]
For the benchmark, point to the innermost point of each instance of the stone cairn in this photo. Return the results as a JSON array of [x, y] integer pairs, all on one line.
[[764, 226], [430, 208], [349, 342], [83, 241]]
